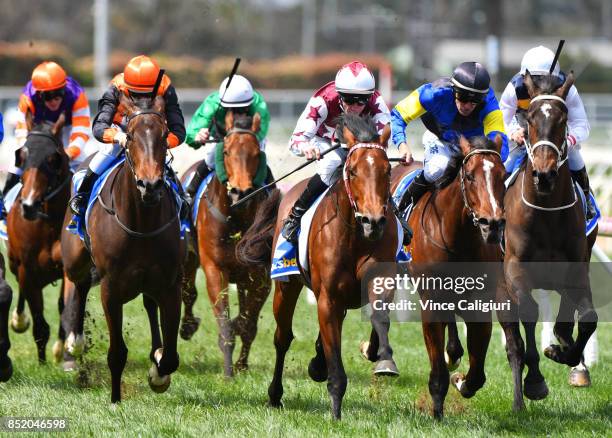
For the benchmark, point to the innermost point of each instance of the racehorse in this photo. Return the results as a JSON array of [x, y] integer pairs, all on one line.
[[461, 220], [6, 296], [135, 243], [34, 227], [219, 227], [352, 230], [545, 223]]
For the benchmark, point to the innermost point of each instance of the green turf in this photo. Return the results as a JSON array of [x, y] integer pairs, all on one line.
[[202, 402]]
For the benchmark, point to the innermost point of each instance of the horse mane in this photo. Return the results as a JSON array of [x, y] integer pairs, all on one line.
[[546, 84], [363, 128], [454, 165]]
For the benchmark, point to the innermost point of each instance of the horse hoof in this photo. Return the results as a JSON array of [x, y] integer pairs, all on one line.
[[317, 373], [58, 351], [69, 365], [458, 381], [158, 383], [275, 405], [6, 371], [579, 378], [386, 367], [188, 327], [535, 391], [450, 365], [241, 366], [363, 349], [75, 345], [20, 322]]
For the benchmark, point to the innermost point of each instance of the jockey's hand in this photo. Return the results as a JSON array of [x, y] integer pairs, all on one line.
[[518, 136], [311, 152], [406, 154], [202, 135], [120, 138]]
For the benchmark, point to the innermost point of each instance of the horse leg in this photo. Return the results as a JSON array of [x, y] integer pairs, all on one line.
[[166, 359], [478, 337], [331, 317], [317, 368], [385, 365], [534, 385], [151, 307], [454, 350], [217, 287], [117, 350], [515, 349], [190, 323], [20, 321], [73, 319], [285, 299], [58, 345], [369, 349], [6, 296], [249, 317], [40, 328], [433, 333]]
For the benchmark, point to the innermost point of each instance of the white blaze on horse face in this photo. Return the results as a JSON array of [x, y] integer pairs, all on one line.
[[546, 109], [487, 166], [370, 160]]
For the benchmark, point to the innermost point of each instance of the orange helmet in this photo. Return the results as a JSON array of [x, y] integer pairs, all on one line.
[[48, 76], [140, 74]]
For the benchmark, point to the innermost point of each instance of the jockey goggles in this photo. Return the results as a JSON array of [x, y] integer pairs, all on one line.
[[50, 95], [355, 99], [467, 97]]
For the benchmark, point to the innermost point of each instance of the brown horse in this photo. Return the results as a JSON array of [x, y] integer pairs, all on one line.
[[135, 245], [34, 227], [6, 296], [545, 223], [219, 228], [352, 230], [460, 221]]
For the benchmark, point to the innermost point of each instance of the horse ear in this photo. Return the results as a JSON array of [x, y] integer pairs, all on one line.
[[29, 120], [465, 145], [256, 123], [532, 89], [498, 142], [384, 136], [229, 120], [56, 129], [564, 89], [159, 104], [127, 104], [348, 136]]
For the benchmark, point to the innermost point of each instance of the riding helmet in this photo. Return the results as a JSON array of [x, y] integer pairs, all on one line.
[[471, 82]]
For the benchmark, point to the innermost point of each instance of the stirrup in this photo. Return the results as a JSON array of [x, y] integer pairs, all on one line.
[[78, 203], [290, 229]]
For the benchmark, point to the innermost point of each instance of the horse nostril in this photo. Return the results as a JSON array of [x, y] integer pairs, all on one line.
[[140, 184], [158, 184], [382, 221], [483, 222], [364, 220]]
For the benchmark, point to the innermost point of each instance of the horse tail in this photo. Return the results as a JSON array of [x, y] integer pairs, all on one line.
[[255, 247]]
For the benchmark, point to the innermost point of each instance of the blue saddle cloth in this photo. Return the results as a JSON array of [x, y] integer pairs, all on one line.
[[198, 197], [9, 200], [79, 224]]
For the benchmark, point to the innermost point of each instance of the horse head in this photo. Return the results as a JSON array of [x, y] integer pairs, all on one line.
[[45, 162], [546, 136], [241, 153], [147, 133], [482, 185], [366, 173]]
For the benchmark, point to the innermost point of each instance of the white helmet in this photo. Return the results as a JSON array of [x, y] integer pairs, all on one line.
[[239, 93], [355, 78], [538, 61]]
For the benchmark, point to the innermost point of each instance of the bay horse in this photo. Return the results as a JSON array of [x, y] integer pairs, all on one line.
[[135, 244], [461, 220], [352, 230], [34, 227], [6, 296], [218, 229], [545, 223]]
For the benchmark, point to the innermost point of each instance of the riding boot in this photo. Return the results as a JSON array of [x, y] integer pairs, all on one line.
[[407, 230], [185, 198], [199, 175], [313, 190], [415, 190], [11, 181], [78, 203], [582, 178]]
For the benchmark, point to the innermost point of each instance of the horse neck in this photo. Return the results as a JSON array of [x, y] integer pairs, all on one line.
[[452, 216], [239, 219], [344, 217]]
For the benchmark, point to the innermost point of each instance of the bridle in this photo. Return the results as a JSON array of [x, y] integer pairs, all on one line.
[[128, 157], [466, 204], [345, 174]]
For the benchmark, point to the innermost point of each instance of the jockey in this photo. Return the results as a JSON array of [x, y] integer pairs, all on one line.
[[209, 122], [463, 105], [515, 101], [46, 96], [353, 91], [136, 81]]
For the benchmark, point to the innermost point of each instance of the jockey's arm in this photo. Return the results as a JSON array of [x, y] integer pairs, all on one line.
[[302, 141], [202, 118], [80, 133], [577, 121], [407, 110], [21, 129], [174, 118], [260, 106], [107, 107], [493, 123]]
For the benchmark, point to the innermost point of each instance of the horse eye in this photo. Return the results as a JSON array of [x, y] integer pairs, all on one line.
[[352, 172], [470, 177]]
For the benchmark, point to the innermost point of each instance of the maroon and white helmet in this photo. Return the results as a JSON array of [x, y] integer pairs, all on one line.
[[355, 78]]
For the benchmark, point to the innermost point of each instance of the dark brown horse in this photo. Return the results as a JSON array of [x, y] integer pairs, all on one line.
[[6, 296], [34, 226], [352, 230], [545, 223], [219, 227], [135, 245], [460, 221]]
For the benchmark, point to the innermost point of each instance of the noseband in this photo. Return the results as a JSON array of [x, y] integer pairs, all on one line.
[[466, 204], [345, 173], [560, 151]]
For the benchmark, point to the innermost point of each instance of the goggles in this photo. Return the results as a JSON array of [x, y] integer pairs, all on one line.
[[355, 99], [52, 94]]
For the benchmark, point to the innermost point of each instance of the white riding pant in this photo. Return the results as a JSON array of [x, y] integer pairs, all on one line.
[[210, 149], [438, 154], [104, 157]]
